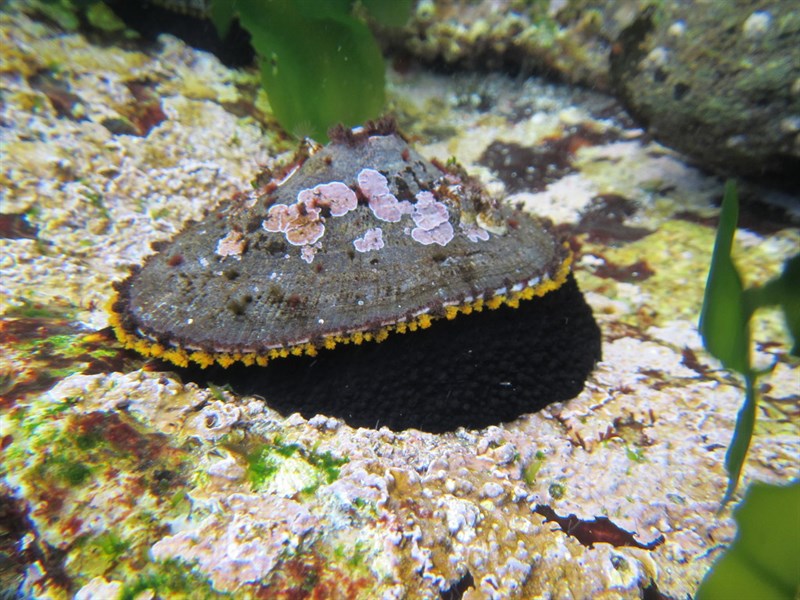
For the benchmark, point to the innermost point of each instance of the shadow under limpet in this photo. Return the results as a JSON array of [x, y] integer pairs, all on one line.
[[477, 370]]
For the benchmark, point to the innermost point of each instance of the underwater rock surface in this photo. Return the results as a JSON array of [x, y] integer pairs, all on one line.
[[118, 477], [720, 85]]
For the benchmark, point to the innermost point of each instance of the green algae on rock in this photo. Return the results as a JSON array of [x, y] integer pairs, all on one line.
[[353, 241]]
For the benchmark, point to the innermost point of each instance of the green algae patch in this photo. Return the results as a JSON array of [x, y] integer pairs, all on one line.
[[53, 445], [64, 470], [69, 15], [97, 555], [43, 345], [112, 545], [356, 556], [306, 470], [34, 310], [635, 454], [262, 464], [100, 486], [556, 491], [173, 579], [532, 468], [327, 464]]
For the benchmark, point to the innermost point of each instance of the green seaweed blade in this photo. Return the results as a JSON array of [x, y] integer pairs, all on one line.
[[221, 13], [742, 434], [784, 291], [724, 326], [763, 561], [790, 300], [319, 65], [724, 317]]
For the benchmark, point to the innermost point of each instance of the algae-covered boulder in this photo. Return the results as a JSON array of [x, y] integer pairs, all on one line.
[[719, 82]]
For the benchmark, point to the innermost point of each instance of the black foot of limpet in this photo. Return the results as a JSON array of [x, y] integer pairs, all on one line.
[[480, 370]]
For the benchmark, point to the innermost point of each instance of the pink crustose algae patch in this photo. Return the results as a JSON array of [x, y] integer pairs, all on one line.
[[232, 244], [371, 240], [384, 205], [302, 222], [431, 219], [335, 195]]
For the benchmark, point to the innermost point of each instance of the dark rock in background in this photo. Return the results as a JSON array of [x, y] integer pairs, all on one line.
[[720, 83]]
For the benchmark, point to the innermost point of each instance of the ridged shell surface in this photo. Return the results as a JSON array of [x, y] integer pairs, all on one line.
[[361, 238]]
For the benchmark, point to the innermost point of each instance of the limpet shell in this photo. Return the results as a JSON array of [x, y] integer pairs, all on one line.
[[357, 240]]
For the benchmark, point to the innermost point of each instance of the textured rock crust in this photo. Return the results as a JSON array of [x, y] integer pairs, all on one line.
[[106, 458]]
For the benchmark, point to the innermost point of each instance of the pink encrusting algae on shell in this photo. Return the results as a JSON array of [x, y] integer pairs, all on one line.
[[371, 240], [336, 196], [432, 221], [300, 222], [233, 244], [383, 204]]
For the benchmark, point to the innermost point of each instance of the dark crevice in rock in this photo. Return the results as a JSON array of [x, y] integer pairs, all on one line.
[[457, 590]]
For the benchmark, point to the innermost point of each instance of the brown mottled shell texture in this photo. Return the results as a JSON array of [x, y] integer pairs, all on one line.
[[355, 242]]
